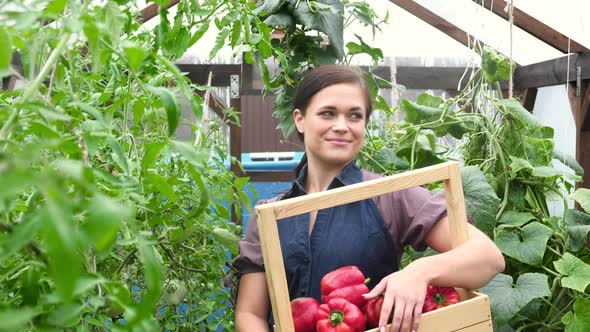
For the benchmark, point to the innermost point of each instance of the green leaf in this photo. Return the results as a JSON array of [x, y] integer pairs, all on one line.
[[21, 235], [568, 161], [325, 16], [417, 113], [281, 20], [199, 33], [582, 196], [172, 112], [61, 242], [520, 114], [576, 271], [507, 299], [227, 238], [515, 219], [181, 42], [376, 54], [66, 315], [578, 320], [546, 172], [578, 226], [204, 193], [55, 7], [161, 183], [5, 52], [219, 42], [152, 151], [118, 155], [105, 216], [481, 201], [236, 32], [387, 159], [496, 67], [153, 272], [190, 153], [267, 7], [531, 248], [134, 53], [518, 164], [15, 319]]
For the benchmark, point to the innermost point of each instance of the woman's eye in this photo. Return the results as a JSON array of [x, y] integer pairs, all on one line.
[[356, 116], [326, 113]]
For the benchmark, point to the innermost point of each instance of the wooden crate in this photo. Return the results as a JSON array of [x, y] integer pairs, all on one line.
[[472, 314]]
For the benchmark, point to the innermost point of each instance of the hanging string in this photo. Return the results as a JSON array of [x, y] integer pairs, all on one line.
[[511, 82]]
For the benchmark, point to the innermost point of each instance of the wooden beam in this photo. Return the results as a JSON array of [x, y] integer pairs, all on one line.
[[436, 21], [151, 11], [578, 103], [552, 72], [528, 99], [534, 27], [214, 103], [199, 73]]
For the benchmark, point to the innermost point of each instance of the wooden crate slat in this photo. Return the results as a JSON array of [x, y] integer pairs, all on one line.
[[276, 278], [466, 314], [358, 191]]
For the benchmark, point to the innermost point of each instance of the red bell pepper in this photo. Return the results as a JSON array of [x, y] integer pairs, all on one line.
[[347, 282], [304, 310], [373, 311], [438, 297], [339, 315]]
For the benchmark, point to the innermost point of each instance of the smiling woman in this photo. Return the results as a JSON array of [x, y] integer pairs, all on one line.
[[331, 108]]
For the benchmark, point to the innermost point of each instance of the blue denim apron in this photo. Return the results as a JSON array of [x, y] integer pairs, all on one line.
[[352, 234]]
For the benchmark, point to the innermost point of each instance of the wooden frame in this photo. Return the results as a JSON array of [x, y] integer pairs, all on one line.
[[471, 314]]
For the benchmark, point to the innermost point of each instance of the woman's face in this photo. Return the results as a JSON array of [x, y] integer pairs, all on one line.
[[334, 124]]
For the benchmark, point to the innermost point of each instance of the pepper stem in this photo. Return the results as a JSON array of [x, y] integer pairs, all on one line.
[[336, 317], [439, 298]]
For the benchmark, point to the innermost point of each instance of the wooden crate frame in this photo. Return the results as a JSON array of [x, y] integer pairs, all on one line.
[[472, 314]]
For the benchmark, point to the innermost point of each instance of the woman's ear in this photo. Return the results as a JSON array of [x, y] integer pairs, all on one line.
[[298, 119]]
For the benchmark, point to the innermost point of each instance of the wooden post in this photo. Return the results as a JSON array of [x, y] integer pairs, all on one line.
[[528, 99], [235, 130], [579, 96]]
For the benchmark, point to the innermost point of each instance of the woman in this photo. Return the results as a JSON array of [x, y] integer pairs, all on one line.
[[332, 107]]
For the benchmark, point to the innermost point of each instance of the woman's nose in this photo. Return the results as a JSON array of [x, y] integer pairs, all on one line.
[[340, 124]]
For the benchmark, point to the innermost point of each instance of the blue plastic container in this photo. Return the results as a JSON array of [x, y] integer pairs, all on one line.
[[268, 162]]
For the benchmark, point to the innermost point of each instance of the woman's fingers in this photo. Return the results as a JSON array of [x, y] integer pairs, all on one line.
[[417, 315], [377, 290], [399, 316]]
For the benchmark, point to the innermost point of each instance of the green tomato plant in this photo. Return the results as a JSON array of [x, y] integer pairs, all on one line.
[[107, 220], [509, 173]]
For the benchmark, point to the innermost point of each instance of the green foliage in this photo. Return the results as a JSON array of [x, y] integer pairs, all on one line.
[[102, 208], [306, 34], [508, 298], [508, 176]]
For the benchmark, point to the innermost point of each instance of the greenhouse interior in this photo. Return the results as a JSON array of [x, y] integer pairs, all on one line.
[[295, 165]]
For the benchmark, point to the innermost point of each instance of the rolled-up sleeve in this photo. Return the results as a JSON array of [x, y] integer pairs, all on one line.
[[250, 258], [410, 214]]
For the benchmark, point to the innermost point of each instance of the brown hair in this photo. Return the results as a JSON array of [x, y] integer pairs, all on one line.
[[324, 76]]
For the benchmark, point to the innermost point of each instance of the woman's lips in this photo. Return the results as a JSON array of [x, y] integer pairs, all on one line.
[[339, 141]]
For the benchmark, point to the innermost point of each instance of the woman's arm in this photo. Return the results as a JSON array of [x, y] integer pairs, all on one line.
[[471, 265], [253, 303]]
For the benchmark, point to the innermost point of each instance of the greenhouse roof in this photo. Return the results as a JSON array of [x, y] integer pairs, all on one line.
[[559, 28]]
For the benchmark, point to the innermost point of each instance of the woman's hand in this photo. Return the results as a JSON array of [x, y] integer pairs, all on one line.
[[404, 292]]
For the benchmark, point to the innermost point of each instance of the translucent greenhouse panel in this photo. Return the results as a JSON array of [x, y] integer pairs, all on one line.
[[566, 16], [406, 35], [492, 30]]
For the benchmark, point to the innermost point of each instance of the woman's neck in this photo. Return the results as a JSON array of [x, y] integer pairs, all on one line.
[[319, 175]]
